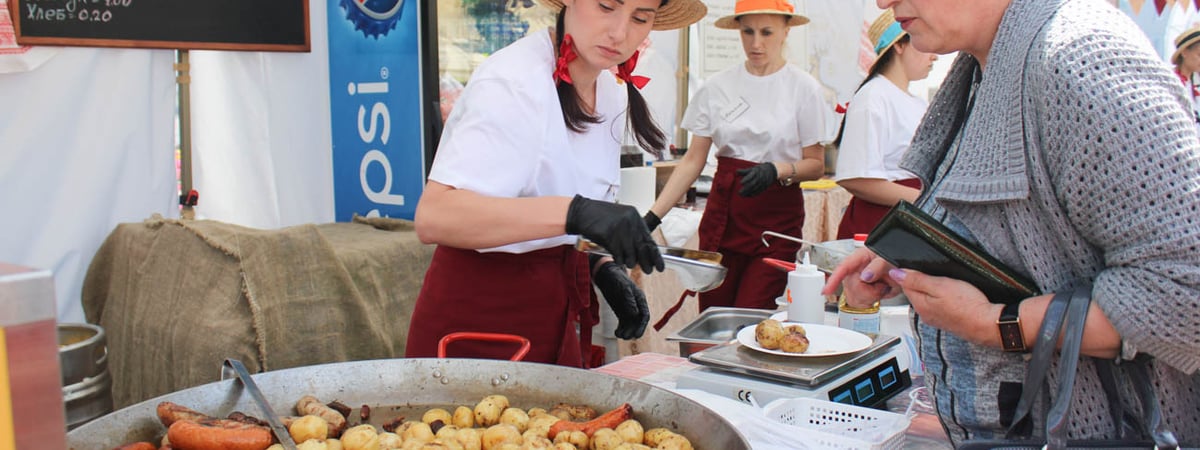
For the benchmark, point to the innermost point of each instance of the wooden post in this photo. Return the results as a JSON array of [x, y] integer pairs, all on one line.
[[681, 78]]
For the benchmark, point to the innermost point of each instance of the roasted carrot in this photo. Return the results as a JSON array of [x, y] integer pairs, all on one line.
[[607, 420]]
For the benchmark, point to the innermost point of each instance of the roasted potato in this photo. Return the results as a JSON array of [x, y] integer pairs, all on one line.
[[631, 431], [499, 434], [675, 442], [768, 333], [312, 444], [309, 427], [437, 414], [605, 439], [362, 437], [470, 438], [464, 417], [515, 417], [795, 328], [573, 437], [389, 441], [794, 343], [418, 431], [655, 435], [487, 412]]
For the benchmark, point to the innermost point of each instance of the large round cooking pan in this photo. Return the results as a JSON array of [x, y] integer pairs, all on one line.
[[409, 382]]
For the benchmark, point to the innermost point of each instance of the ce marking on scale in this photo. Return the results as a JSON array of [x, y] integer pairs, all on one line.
[[744, 395]]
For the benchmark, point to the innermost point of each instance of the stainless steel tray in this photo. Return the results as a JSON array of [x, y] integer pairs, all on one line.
[[714, 326]]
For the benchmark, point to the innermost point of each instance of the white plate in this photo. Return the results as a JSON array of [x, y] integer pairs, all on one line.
[[823, 340]]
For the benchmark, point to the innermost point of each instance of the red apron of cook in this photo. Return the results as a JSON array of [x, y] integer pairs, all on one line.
[[861, 215], [540, 295], [733, 225]]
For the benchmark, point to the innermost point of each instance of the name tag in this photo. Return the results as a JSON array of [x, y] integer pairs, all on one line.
[[733, 112]]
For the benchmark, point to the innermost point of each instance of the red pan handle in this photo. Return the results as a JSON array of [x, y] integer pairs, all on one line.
[[490, 337], [780, 264]]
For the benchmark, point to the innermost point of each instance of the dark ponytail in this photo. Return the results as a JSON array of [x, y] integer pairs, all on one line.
[[648, 135], [568, 98], [876, 69]]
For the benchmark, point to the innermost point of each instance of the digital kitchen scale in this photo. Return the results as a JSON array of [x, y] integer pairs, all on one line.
[[865, 378]]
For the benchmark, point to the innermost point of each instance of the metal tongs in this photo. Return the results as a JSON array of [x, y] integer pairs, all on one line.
[[697, 270], [239, 370]]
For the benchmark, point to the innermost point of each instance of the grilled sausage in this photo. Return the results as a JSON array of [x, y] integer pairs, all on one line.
[[169, 413], [137, 446], [218, 434]]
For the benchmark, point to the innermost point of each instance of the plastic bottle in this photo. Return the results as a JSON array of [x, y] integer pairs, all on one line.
[[805, 302]]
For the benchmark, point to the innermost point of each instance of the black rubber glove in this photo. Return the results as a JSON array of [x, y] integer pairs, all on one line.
[[626, 300], [652, 220], [756, 179], [617, 228]]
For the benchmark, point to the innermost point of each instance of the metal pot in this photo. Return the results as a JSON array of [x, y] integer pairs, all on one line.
[[437, 382]]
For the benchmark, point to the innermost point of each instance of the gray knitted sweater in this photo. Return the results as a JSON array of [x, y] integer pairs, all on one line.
[[1079, 161]]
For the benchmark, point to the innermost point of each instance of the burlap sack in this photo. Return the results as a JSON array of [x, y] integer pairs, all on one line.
[[176, 298]]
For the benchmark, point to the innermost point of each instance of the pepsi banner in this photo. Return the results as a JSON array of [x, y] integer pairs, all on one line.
[[375, 107]]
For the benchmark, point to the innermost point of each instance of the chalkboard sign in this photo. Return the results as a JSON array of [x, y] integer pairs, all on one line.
[[264, 25]]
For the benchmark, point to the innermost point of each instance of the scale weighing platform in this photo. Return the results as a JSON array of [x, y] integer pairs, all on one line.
[[866, 378]]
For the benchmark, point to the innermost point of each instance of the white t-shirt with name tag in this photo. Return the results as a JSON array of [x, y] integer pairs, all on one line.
[[759, 118]]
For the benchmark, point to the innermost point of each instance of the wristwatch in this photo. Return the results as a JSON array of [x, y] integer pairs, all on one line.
[[1011, 337]]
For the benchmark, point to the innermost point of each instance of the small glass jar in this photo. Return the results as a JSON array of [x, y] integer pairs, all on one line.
[[863, 320]]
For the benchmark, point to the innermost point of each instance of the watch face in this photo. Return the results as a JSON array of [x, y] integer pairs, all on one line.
[[1011, 337]]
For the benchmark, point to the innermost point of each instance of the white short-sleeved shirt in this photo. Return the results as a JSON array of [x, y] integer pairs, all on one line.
[[506, 136], [759, 118], [880, 123]]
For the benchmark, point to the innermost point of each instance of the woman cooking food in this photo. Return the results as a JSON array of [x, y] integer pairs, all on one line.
[[879, 123], [530, 158], [766, 119], [1062, 145]]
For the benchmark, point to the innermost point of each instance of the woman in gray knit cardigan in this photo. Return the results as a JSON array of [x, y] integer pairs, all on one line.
[[1061, 144]]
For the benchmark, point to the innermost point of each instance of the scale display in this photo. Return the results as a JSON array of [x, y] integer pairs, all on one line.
[[872, 388]]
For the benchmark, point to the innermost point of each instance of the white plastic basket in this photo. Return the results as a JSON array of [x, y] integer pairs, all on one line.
[[824, 424]]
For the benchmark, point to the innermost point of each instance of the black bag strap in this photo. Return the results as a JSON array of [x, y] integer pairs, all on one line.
[[1039, 363], [1127, 424], [1139, 375], [1057, 420]]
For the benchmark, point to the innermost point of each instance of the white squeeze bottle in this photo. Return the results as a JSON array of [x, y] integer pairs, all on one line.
[[805, 302]]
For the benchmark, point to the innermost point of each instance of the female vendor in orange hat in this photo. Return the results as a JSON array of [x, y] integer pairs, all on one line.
[[880, 122], [766, 119], [529, 160]]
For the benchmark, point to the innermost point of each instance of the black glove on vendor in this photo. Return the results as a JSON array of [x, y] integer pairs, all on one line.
[[617, 228], [756, 179], [652, 220], [626, 300]]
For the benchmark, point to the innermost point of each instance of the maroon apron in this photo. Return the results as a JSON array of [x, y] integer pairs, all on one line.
[[733, 225], [540, 295], [861, 215]]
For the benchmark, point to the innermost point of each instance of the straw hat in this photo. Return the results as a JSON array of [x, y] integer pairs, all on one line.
[[745, 7], [884, 32], [1186, 38], [674, 14]]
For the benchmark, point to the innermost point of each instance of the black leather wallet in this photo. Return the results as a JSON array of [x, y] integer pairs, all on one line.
[[909, 238]]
